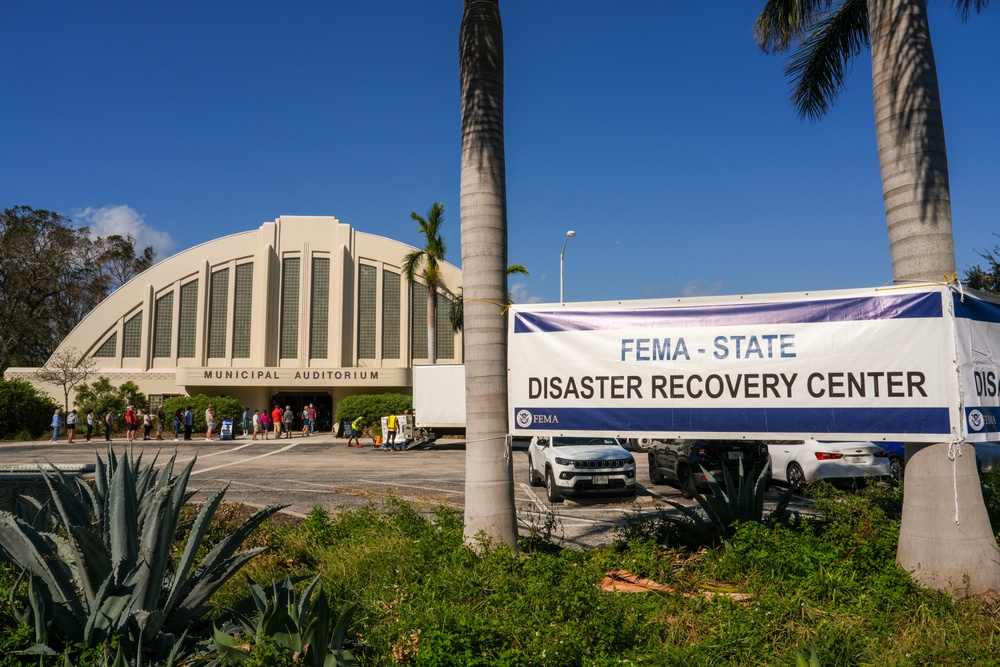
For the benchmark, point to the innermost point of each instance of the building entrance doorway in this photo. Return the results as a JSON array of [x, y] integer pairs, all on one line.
[[323, 403]]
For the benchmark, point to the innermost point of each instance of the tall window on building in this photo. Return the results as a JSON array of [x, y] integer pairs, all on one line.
[[390, 315], [367, 303], [187, 326], [108, 348], [319, 308], [443, 333], [132, 337], [163, 325], [418, 319], [243, 311], [218, 313], [290, 307]]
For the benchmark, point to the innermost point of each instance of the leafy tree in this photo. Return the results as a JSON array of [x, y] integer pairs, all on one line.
[[826, 36], [429, 257], [51, 275], [986, 279], [22, 407], [489, 478], [456, 314], [102, 396], [66, 369]]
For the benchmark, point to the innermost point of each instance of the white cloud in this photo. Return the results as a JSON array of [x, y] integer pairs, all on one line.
[[124, 220], [693, 288], [519, 293]]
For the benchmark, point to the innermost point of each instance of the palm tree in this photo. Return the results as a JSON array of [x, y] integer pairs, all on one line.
[[489, 478], [432, 253], [456, 314], [939, 551]]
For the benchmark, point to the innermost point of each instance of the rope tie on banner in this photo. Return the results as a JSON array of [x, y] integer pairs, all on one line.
[[954, 452]]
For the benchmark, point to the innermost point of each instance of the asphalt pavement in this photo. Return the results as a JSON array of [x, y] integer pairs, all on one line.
[[322, 471]]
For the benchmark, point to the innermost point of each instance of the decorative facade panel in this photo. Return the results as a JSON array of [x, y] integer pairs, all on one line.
[[163, 325], [109, 348], [132, 337], [243, 311], [289, 342], [418, 319], [187, 327], [367, 304], [443, 333], [319, 312], [390, 314], [218, 313]]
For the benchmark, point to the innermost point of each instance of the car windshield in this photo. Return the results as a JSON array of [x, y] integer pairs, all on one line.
[[575, 442]]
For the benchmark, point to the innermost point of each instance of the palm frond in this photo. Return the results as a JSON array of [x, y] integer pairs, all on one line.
[[818, 67], [965, 7], [517, 269], [411, 264], [782, 23]]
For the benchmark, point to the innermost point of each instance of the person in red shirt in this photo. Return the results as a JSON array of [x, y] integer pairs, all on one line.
[[131, 423], [276, 420]]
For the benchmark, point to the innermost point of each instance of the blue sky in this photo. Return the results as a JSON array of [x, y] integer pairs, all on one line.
[[657, 131]]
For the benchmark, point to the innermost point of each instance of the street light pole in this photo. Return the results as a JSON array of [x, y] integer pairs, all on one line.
[[570, 234]]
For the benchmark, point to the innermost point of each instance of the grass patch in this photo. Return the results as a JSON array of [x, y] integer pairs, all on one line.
[[828, 584]]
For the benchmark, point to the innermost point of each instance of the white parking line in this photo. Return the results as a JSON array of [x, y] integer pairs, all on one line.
[[240, 461]]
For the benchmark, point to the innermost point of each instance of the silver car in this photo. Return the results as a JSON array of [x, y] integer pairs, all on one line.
[[569, 466]]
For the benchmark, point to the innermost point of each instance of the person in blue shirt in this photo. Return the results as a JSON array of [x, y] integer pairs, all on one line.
[[56, 422], [188, 423]]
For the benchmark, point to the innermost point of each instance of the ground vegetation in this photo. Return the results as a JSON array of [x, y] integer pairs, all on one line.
[[414, 593]]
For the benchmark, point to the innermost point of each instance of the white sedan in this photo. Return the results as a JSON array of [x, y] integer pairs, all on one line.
[[798, 462], [580, 466]]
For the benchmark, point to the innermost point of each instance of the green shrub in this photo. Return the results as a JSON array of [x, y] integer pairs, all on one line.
[[373, 407], [22, 407], [226, 407]]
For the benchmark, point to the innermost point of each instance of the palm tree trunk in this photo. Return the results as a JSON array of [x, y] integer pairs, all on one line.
[[489, 490], [911, 145], [431, 324], [945, 539]]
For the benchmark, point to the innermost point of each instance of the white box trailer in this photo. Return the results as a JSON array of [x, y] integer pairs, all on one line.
[[439, 396]]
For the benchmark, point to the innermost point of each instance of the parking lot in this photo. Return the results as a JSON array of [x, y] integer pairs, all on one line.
[[320, 471]]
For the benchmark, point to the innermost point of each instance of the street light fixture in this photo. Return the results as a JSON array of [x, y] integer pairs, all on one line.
[[570, 234]]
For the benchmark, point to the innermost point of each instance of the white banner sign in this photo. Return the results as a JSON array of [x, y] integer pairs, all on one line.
[[977, 333], [855, 365]]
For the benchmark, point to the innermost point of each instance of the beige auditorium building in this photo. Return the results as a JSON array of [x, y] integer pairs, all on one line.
[[302, 310]]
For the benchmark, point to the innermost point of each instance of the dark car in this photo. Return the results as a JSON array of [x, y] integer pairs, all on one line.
[[684, 462]]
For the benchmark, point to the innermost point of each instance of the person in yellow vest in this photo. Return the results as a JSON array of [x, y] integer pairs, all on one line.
[[356, 426], [391, 424]]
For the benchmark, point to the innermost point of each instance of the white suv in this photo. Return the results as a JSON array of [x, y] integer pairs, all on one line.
[[580, 466]]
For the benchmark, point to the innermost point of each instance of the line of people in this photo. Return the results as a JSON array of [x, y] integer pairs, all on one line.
[[280, 423], [133, 417]]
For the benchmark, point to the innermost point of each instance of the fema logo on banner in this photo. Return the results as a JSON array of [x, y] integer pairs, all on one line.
[[976, 421], [523, 418]]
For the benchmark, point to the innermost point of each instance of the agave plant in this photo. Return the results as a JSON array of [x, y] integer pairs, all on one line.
[[741, 501], [304, 625], [108, 571]]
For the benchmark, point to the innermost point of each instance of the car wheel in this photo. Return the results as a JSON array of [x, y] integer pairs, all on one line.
[[795, 476], [641, 445], [533, 479], [655, 476], [551, 492], [686, 480], [896, 467]]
